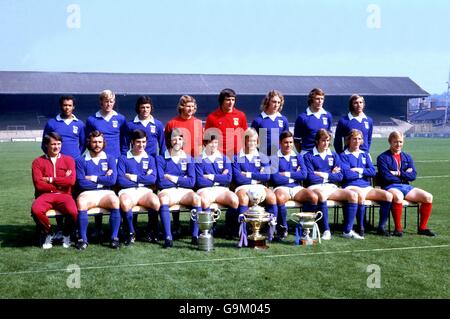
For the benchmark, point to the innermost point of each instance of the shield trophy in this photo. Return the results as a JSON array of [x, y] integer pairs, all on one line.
[[205, 221], [308, 221], [257, 217]]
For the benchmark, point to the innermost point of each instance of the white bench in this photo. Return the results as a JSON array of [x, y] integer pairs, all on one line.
[[136, 209]]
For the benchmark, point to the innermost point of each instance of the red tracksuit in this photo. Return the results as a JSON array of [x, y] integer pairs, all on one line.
[[58, 193]]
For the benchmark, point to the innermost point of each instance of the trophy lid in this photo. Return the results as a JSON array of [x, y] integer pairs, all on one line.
[[255, 211]]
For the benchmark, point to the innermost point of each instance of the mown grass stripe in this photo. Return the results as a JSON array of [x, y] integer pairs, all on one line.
[[227, 259]]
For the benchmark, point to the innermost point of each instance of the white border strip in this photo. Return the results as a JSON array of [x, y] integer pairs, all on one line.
[[225, 259]]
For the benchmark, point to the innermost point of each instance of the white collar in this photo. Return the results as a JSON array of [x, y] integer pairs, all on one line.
[[250, 155], [73, 118], [323, 154], [272, 117], [88, 156], [355, 154], [292, 153], [107, 118], [213, 156], [58, 156], [138, 158], [151, 119], [359, 118], [316, 114], [167, 154]]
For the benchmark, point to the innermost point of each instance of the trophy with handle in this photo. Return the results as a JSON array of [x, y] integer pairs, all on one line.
[[205, 221], [308, 221]]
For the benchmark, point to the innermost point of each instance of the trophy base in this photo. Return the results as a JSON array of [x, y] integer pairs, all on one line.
[[308, 242], [257, 244], [205, 242]]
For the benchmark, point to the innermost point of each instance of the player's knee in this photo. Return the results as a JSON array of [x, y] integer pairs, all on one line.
[[388, 197], [115, 202], [234, 201], [243, 199], [125, 203], [205, 202], [321, 197], [35, 211], [164, 200], [270, 198], [82, 204], [312, 197], [281, 198], [353, 197], [154, 201], [428, 198], [196, 200]]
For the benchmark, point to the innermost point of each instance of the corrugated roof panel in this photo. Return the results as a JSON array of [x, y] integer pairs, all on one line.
[[208, 84]]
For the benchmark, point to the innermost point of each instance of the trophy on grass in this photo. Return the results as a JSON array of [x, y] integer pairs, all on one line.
[[257, 217], [308, 221], [205, 221]]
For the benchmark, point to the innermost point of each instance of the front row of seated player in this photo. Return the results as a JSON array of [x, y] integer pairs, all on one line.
[[175, 174]]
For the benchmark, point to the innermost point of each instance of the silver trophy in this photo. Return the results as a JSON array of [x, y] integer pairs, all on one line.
[[308, 221], [205, 221]]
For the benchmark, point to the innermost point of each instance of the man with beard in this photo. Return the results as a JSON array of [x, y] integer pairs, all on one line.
[[96, 174]]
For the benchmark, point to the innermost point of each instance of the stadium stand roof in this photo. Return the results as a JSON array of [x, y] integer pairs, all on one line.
[[427, 115], [25, 82]]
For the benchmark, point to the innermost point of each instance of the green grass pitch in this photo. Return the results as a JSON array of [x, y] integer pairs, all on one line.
[[409, 267]]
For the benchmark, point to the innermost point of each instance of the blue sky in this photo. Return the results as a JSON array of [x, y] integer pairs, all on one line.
[[280, 37]]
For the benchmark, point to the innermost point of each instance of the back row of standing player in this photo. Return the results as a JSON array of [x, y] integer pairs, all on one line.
[[227, 118]]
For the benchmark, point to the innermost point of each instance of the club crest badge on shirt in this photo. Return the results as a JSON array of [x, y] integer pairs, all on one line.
[[294, 162], [325, 121], [145, 164], [220, 164], [183, 165], [366, 125], [75, 129], [363, 160], [104, 166], [330, 161], [280, 123], [115, 123], [257, 162], [236, 121], [152, 129]]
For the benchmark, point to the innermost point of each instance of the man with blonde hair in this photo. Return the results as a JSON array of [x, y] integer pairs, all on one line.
[[396, 170], [113, 127], [109, 122], [190, 126]]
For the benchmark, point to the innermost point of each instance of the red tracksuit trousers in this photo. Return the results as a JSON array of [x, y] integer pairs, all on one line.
[[63, 203]]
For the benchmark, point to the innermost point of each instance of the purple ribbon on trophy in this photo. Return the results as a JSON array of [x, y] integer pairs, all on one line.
[[242, 231]]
